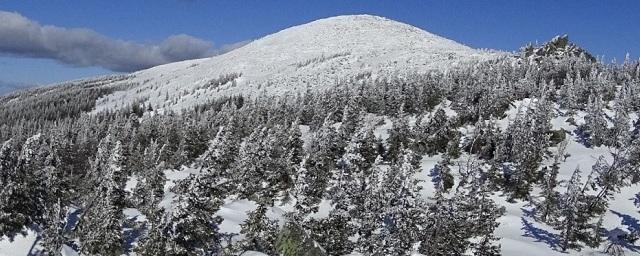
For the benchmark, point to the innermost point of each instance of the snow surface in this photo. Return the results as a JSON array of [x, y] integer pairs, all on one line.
[[19, 246], [253, 253], [317, 55]]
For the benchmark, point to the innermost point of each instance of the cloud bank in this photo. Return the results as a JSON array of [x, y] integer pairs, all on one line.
[[22, 37]]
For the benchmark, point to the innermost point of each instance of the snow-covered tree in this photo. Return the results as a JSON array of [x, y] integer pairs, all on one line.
[[576, 216], [445, 231], [352, 187], [595, 124], [156, 242], [54, 206], [11, 222], [403, 214], [483, 214], [219, 156], [548, 207], [333, 232], [522, 148], [260, 233], [315, 172], [350, 119], [399, 137], [262, 169], [620, 134], [571, 203], [433, 136], [193, 228], [101, 232], [195, 140], [32, 191]]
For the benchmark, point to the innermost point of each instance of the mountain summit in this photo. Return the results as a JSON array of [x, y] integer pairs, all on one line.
[[313, 55], [558, 47]]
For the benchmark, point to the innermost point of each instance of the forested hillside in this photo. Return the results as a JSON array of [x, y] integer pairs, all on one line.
[[538, 151]]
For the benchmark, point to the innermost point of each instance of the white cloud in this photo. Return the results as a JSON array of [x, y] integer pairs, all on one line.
[[22, 37]]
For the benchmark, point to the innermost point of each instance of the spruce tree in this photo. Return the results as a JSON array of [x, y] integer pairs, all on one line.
[[620, 135], [262, 168], [571, 203], [595, 122], [333, 232], [548, 208], [316, 168], [523, 148], [260, 233], [403, 214], [155, 242], [219, 156], [193, 227], [26, 199], [195, 140], [445, 231], [371, 210], [399, 137], [577, 216], [10, 224], [55, 207], [483, 214], [101, 233]]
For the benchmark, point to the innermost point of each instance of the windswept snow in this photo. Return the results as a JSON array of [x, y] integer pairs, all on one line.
[[315, 55]]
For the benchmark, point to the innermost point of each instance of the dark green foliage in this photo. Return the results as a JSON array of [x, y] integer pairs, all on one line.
[[155, 243], [523, 147], [294, 241], [101, 229], [557, 136], [399, 138], [260, 232], [195, 141], [332, 233], [192, 228], [549, 206]]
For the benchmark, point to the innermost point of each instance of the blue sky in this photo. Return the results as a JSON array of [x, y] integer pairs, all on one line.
[[608, 28]]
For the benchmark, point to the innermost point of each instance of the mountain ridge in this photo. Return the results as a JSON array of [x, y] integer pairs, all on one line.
[[314, 55]]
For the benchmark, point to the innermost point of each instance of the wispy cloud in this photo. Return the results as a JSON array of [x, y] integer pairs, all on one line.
[[22, 37]]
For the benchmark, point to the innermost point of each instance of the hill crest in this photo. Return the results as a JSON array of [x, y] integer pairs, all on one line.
[[316, 55]]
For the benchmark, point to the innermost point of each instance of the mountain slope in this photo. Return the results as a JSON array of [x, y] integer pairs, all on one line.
[[316, 54]]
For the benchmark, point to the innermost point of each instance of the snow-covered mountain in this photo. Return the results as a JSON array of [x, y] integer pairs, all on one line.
[[509, 157], [317, 54]]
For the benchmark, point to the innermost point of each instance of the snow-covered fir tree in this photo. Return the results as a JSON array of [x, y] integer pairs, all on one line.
[[403, 213], [595, 122], [548, 206], [314, 176], [260, 232], [192, 227], [101, 228]]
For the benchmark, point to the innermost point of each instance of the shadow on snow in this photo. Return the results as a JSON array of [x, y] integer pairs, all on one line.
[[540, 235]]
